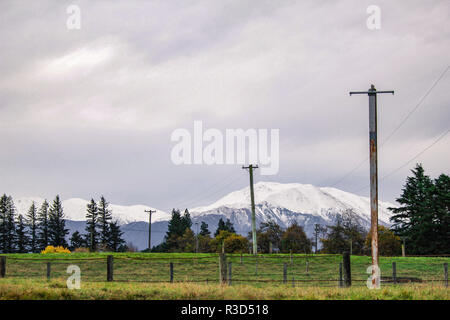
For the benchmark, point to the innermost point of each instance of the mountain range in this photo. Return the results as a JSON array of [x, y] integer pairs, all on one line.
[[281, 202]]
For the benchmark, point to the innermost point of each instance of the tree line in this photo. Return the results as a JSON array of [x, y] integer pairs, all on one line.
[[46, 225], [422, 222]]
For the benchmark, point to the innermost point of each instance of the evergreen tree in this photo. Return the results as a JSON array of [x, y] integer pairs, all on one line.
[[224, 226], [57, 231], [441, 210], [116, 243], [3, 219], [104, 218], [7, 224], [22, 237], [186, 222], [422, 219], [43, 230], [32, 223], [204, 231], [178, 226], [76, 241], [91, 225]]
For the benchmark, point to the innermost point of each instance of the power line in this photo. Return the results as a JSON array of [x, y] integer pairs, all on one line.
[[205, 195], [402, 122], [412, 159]]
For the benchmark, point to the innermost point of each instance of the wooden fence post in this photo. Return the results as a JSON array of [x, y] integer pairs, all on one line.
[[109, 268], [2, 266], [229, 273], [347, 269], [171, 272], [341, 281], [446, 274], [223, 268], [48, 270], [285, 273], [394, 272]]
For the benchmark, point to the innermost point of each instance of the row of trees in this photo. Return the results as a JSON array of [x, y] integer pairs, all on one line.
[[101, 232], [181, 238], [46, 226], [347, 234], [32, 233]]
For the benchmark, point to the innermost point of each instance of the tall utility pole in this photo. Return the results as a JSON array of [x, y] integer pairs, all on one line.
[[372, 93], [150, 227], [252, 197]]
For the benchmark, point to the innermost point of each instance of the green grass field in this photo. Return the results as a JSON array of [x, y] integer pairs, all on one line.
[[196, 276]]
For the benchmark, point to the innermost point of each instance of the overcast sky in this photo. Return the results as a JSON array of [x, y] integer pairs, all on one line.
[[90, 111]]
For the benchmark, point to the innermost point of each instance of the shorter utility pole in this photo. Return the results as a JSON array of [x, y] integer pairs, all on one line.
[[316, 233], [252, 197], [150, 228], [196, 238]]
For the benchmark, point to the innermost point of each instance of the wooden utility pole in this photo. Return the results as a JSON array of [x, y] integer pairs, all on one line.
[[372, 93], [252, 197], [150, 228]]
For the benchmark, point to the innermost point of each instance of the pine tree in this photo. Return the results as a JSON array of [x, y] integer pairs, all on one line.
[[3, 223], [414, 220], [92, 225], [186, 222], [57, 224], [8, 229], [22, 237], [76, 241], [224, 226], [104, 218], [204, 231], [115, 241], [441, 210], [32, 223], [42, 226]]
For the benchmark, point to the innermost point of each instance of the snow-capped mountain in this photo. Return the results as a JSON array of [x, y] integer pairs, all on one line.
[[288, 202], [300, 198], [75, 210], [282, 202]]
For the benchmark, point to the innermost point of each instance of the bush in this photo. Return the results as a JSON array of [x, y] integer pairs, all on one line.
[[52, 249]]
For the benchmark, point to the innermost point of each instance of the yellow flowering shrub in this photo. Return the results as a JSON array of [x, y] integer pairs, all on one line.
[[52, 249]]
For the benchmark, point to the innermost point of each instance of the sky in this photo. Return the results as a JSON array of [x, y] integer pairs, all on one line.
[[90, 111]]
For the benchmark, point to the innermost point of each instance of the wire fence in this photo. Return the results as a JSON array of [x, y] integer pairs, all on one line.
[[293, 270]]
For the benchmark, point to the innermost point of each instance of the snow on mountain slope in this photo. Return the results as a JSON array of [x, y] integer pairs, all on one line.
[[75, 209], [283, 202], [300, 198]]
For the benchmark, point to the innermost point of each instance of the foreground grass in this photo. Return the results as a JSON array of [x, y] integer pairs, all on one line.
[[23, 289]]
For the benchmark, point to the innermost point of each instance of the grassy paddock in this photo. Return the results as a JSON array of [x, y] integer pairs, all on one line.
[[56, 289], [145, 276], [304, 270]]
